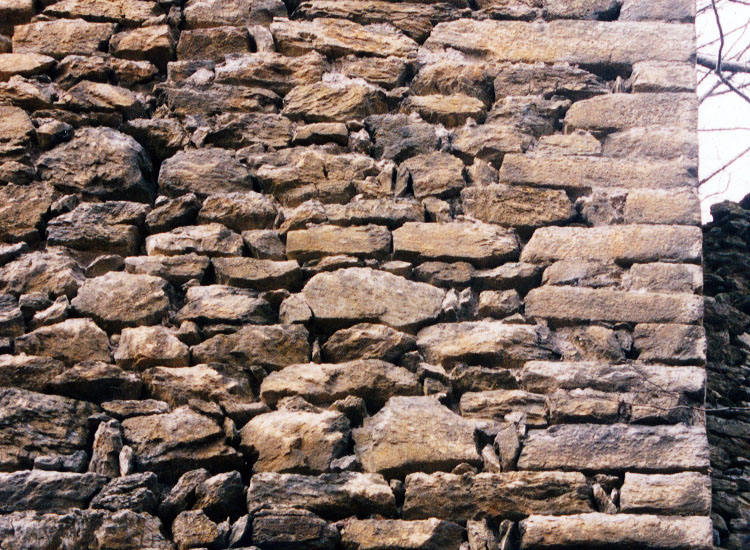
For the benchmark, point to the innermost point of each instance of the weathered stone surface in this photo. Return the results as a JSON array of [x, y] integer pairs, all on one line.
[[626, 244], [498, 303], [439, 439], [24, 64], [154, 44], [238, 211], [547, 377], [333, 102], [213, 43], [98, 97], [101, 10], [652, 142], [144, 347], [171, 213], [513, 206], [28, 372], [254, 273], [367, 295], [33, 424], [449, 110], [217, 383], [337, 38], [504, 495], [393, 534], [117, 300], [638, 10], [584, 172], [670, 343], [193, 529], [655, 77], [106, 448], [687, 493], [221, 496], [96, 381], [99, 163], [485, 342], [614, 112], [505, 405], [71, 341], [270, 70], [329, 495], [373, 380], [606, 530], [588, 304], [204, 172], [107, 227], [175, 269], [11, 317], [216, 13], [171, 443], [124, 530], [664, 277], [212, 239], [433, 174], [521, 79], [52, 272], [329, 240], [367, 341], [297, 441], [293, 529], [135, 492], [662, 207], [575, 42], [481, 244], [224, 304], [399, 136], [60, 38], [388, 73], [272, 347], [619, 447], [201, 97], [47, 491]]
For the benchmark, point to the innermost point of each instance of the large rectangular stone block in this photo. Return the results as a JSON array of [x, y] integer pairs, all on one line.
[[616, 531], [577, 42], [616, 448], [621, 244], [612, 112], [505, 495], [589, 304], [581, 172], [685, 493]]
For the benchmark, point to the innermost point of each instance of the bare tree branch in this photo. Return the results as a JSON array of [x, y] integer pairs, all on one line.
[[730, 66]]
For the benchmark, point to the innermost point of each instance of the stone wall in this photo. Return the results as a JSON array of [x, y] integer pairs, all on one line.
[[727, 287], [351, 274]]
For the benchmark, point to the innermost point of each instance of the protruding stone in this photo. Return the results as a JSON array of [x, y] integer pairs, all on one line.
[[333, 102], [204, 172], [144, 347], [393, 534], [71, 341], [61, 37], [439, 439], [224, 304], [293, 529], [96, 381], [47, 491], [367, 341], [209, 240], [216, 13], [505, 405], [258, 274], [329, 240], [686, 493], [513, 206], [216, 383]]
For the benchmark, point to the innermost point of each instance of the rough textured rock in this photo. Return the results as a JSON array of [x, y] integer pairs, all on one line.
[[258, 274], [439, 439], [325, 240], [687, 493], [363, 294], [224, 304], [508, 494], [390, 534], [117, 300], [373, 380], [212, 239], [71, 341], [293, 529], [203, 172], [99, 163], [601, 530], [646, 448], [144, 347], [328, 495], [47, 491], [513, 206], [367, 341]]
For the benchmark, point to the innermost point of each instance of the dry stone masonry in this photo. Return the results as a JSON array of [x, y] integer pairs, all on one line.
[[357, 275]]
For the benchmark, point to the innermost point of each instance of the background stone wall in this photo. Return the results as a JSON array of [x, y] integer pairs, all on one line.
[[727, 287], [351, 274]]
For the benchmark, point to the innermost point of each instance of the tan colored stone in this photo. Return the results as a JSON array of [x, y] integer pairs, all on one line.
[[489, 342], [449, 110], [368, 241], [575, 42], [212, 239], [623, 243], [585, 304], [213, 43], [24, 64], [502, 495], [301, 442], [664, 277], [217, 13], [513, 206], [367, 341], [333, 102], [663, 207], [257, 273], [438, 439], [619, 447], [583, 172], [434, 174], [660, 142], [394, 534], [52, 272], [145, 347], [338, 38], [505, 405], [71, 341], [112, 11], [270, 70], [682, 11], [685, 493], [606, 530], [154, 44], [203, 172], [670, 343], [358, 294], [523, 79], [373, 380], [63, 37], [215, 383], [175, 269], [22, 209], [481, 244], [224, 304], [388, 73]]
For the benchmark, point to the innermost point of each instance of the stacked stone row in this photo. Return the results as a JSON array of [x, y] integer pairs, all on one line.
[[351, 274]]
